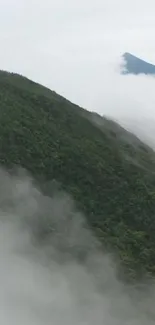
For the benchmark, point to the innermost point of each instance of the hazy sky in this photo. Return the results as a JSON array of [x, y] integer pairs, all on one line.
[[74, 48]]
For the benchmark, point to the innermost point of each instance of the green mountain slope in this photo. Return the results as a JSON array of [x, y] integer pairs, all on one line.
[[108, 171]]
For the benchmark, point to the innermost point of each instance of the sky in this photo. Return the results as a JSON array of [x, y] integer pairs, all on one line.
[[74, 48]]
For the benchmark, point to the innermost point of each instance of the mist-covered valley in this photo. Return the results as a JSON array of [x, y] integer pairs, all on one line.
[[45, 281]]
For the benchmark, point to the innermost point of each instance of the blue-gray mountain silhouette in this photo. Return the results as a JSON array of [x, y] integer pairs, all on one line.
[[134, 65]]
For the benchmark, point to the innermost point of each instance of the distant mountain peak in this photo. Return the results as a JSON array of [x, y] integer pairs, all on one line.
[[135, 65]]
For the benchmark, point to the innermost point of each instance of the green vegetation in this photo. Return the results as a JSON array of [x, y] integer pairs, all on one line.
[[108, 171]]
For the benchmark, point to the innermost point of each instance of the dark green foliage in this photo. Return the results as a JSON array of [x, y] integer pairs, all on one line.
[[108, 171]]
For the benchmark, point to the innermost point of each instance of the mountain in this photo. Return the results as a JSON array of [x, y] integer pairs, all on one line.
[[108, 171], [134, 65]]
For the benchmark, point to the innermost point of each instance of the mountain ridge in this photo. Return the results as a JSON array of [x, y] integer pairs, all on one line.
[[135, 65], [109, 173]]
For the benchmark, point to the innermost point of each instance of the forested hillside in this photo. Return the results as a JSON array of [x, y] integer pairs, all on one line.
[[108, 171]]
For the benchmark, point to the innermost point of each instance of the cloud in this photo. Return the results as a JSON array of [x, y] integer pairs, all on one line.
[[43, 281]]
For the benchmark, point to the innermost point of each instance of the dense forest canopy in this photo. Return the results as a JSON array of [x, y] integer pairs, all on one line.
[[107, 170]]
